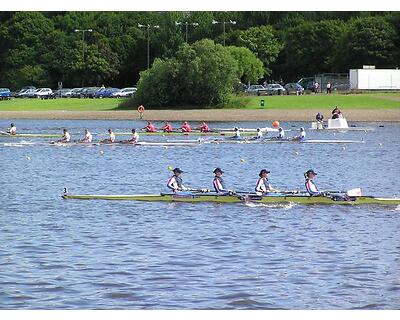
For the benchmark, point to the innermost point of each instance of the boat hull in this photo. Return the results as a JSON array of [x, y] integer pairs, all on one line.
[[194, 198]]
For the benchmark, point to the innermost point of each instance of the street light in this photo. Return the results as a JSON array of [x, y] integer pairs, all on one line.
[[223, 24], [195, 24], [148, 26], [83, 44]]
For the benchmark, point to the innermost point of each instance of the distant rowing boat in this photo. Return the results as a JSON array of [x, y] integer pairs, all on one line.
[[272, 140], [32, 135], [195, 198]]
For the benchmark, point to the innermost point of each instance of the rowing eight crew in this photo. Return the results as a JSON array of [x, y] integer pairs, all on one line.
[[185, 128], [263, 187]]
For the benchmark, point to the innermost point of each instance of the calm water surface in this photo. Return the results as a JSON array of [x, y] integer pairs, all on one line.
[[57, 254]]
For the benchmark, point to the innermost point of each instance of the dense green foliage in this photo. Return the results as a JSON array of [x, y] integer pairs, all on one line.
[[203, 73], [42, 48]]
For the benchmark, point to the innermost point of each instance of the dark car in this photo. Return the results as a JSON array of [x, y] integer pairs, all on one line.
[[256, 89], [106, 92], [90, 92], [294, 88], [5, 94]]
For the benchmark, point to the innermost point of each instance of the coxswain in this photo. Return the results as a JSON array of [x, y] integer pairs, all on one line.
[[66, 137], [135, 137], [150, 127], [175, 182], [310, 185], [281, 133], [263, 187], [88, 137], [301, 136], [186, 127], [204, 127], [13, 129], [218, 182], [111, 139], [167, 127]]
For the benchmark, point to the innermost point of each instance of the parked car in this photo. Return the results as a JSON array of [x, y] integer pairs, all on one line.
[[63, 93], [307, 83], [294, 88], [43, 93], [89, 92], [124, 93], [18, 93], [5, 94], [105, 92], [257, 89], [25, 93], [275, 88], [75, 92]]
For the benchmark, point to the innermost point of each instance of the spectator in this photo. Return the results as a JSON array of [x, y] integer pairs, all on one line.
[[316, 87], [328, 88]]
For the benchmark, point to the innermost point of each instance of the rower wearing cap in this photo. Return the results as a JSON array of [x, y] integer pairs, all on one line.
[[186, 127], [13, 129], [135, 137], [111, 139], [175, 182], [150, 127], [310, 185], [281, 133], [263, 187], [88, 137], [204, 127], [167, 127], [218, 182], [301, 136], [66, 137]]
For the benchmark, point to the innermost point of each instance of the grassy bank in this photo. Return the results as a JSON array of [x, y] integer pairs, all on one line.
[[322, 101]]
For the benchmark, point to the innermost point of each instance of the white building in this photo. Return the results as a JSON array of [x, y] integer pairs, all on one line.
[[374, 79]]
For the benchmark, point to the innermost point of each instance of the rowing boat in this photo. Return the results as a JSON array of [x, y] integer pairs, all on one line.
[[32, 135], [259, 141], [194, 198]]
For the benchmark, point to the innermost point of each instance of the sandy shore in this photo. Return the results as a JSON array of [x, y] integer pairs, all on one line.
[[206, 115]]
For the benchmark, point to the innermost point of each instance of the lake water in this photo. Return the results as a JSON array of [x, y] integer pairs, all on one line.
[[58, 254]]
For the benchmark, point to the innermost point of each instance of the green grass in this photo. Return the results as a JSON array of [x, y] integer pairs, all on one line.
[[322, 101], [60, 104]]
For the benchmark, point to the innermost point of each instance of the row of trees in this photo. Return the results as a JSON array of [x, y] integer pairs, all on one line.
[[42, 48]]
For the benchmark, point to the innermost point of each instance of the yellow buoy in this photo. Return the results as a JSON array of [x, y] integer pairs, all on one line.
[[170, 168], [101, 152], [242, 160]]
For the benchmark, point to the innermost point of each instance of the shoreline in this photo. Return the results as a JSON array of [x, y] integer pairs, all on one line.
[[352, 115]]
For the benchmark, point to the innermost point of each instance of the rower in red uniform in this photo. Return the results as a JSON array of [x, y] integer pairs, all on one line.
[[150, 127], [186, 127], [167, 128], [204, 127]]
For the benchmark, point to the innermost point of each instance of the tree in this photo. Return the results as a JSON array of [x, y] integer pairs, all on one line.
[[203, 73], [368, 41], [250, 68], [310, 48], [263, 42]]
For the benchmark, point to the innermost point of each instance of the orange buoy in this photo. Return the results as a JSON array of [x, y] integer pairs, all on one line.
[[140, 109], [275, 124]]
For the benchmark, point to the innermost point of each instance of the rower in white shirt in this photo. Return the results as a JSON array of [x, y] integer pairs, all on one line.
[[281, 133], [237, 133], [263, 187], [66, 137], [13, 129], [88, 137], [135, 137], [111, 139], [301, 136], [259, 133]]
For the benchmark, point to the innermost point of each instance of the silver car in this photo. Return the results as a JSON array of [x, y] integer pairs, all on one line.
[[275, 88]]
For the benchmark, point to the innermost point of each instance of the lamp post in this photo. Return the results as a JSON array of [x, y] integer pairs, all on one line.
[[195, 24], [148, 26], [223, 24], [83, 44]]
